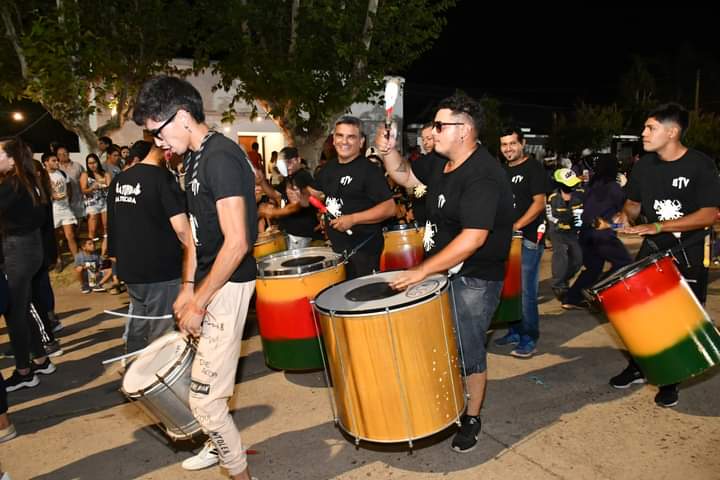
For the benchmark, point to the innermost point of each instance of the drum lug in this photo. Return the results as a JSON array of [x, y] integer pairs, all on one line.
[[410, 444], [357, 442]]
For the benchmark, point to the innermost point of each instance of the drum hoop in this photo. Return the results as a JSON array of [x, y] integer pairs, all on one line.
[[401, 227], [374, 311], [326, 264], [626, 272], [171, 374], [273, 237]]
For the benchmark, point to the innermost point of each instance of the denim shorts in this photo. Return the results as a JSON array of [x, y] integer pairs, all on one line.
[[474, 303]]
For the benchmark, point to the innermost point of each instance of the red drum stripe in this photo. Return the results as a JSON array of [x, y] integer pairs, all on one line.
[[642, 287]]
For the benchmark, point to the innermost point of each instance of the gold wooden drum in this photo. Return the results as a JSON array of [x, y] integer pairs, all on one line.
[[392, 356], [269, 242]]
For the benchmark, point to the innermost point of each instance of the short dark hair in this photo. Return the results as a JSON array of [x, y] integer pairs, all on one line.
[[161, 97], [671, 112], [140, 149], [350, 120], [513, 129], [461, 104], [426, 125], [47, 156], [255, 146], [106, 140], [289, 152]]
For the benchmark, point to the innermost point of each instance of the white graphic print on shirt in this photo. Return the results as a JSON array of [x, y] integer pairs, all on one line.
[[430, 231], [345, 181], [680, 182], [334, 206], [668, 209], [127, 193], [194, 228], [441, 200], [195, 186], [517, 179]]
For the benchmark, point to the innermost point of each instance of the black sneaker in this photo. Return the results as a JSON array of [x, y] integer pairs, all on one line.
[[46, 368], [17, 381], [466, 438], [627, 377], [667, 396], [53, 349]]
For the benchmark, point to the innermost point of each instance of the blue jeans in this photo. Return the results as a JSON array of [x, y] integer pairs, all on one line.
[[474, 301], [529, 325]]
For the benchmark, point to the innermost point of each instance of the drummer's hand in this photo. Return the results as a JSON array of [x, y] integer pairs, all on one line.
[[342, 223], [407, 278], [645, 229], [265, 210], [382, 143], [189, 319], [186, 294]]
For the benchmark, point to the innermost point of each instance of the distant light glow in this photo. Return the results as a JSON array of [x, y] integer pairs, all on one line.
[[226, 129], [18, 116]]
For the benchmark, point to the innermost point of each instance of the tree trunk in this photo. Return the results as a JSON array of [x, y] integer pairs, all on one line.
[[310, 150]]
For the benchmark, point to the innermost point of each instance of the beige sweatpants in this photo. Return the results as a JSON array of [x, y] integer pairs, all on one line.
[[213, 371]]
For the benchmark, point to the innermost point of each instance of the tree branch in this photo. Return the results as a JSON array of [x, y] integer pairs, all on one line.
[[12, 36], [293, 26], [367, 34]]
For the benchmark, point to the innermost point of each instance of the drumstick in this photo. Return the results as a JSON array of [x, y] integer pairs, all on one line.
[[143, 317], [127, 355], [706, 251], [323, 209], [392, 89]]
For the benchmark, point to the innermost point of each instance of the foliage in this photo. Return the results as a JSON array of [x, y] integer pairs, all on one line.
[[703, 133], [592, 126], [76, 56], [307, 61]]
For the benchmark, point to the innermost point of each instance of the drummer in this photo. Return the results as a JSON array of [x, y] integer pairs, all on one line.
[[677, 189], [223, 217], [291, 208], [470, 242], [356, 193]]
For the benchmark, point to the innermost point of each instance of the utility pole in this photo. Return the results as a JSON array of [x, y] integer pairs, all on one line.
[[697, 91]]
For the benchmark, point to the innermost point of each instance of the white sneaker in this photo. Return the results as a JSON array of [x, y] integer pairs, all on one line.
[[207, 457]]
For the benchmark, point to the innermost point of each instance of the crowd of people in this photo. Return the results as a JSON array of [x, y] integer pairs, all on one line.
[[200, 219]]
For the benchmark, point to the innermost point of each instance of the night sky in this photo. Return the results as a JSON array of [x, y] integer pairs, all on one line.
[[536, 60]]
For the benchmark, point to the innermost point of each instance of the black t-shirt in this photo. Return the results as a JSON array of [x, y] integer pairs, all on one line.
[[141, 201], [475, 195], [219, 169], [527, 180], [18, 214], [303, 222], [353, 187], [671, 190]]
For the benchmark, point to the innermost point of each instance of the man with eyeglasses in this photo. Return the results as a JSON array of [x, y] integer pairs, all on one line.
[[530, 186], [468, 235], [357, 196], [216, 290]]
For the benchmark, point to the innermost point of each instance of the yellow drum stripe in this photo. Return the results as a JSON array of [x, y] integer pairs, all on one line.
[[651, 327], [273, 289]]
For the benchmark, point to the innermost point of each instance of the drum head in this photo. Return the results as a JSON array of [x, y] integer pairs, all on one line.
[[267, 236], [626, 272], [372, 294], [159, 358], [298, 262]]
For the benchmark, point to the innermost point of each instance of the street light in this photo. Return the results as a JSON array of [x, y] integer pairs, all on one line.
[[18, 116]]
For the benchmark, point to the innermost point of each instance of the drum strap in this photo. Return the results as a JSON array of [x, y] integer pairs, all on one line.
[[680, 248], [357, 247]]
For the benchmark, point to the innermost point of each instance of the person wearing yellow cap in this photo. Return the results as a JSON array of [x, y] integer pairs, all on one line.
[[564, 210]]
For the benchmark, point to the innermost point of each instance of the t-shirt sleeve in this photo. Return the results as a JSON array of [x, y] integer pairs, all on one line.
[[111, 218], [226, 171], [708, 191], [632, 188], [376, 186], [478, 191], [422, 168], [171, 197]]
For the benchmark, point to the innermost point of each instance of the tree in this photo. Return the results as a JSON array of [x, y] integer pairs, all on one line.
[[592, 126], [306, 61], [703, 133], [75, 57]]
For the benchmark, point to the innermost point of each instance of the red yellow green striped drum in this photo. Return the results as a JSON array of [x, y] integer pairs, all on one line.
[[510, 307], [663, 325], [269, 242], [286, 283]]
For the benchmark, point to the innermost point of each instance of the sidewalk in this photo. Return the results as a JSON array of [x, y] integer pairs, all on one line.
[[549, 417]]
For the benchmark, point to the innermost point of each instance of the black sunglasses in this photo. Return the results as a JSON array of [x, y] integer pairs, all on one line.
[[156, 131], [438, 126]]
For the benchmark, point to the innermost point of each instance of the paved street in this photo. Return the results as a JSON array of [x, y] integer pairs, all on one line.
[[549, 417]]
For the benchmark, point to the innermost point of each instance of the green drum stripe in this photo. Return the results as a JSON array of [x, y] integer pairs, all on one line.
[[689, 357], [293, 354], [509, 310]]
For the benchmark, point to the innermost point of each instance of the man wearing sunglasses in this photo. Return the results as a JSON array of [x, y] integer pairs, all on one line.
[[468, 234], [216, 289]]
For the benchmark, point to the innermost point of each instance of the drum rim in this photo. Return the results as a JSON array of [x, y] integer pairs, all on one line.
[[272, 237], [627, 271], [172, 373], [375, 311], [300, 270], [401, 227], [416, 437]]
